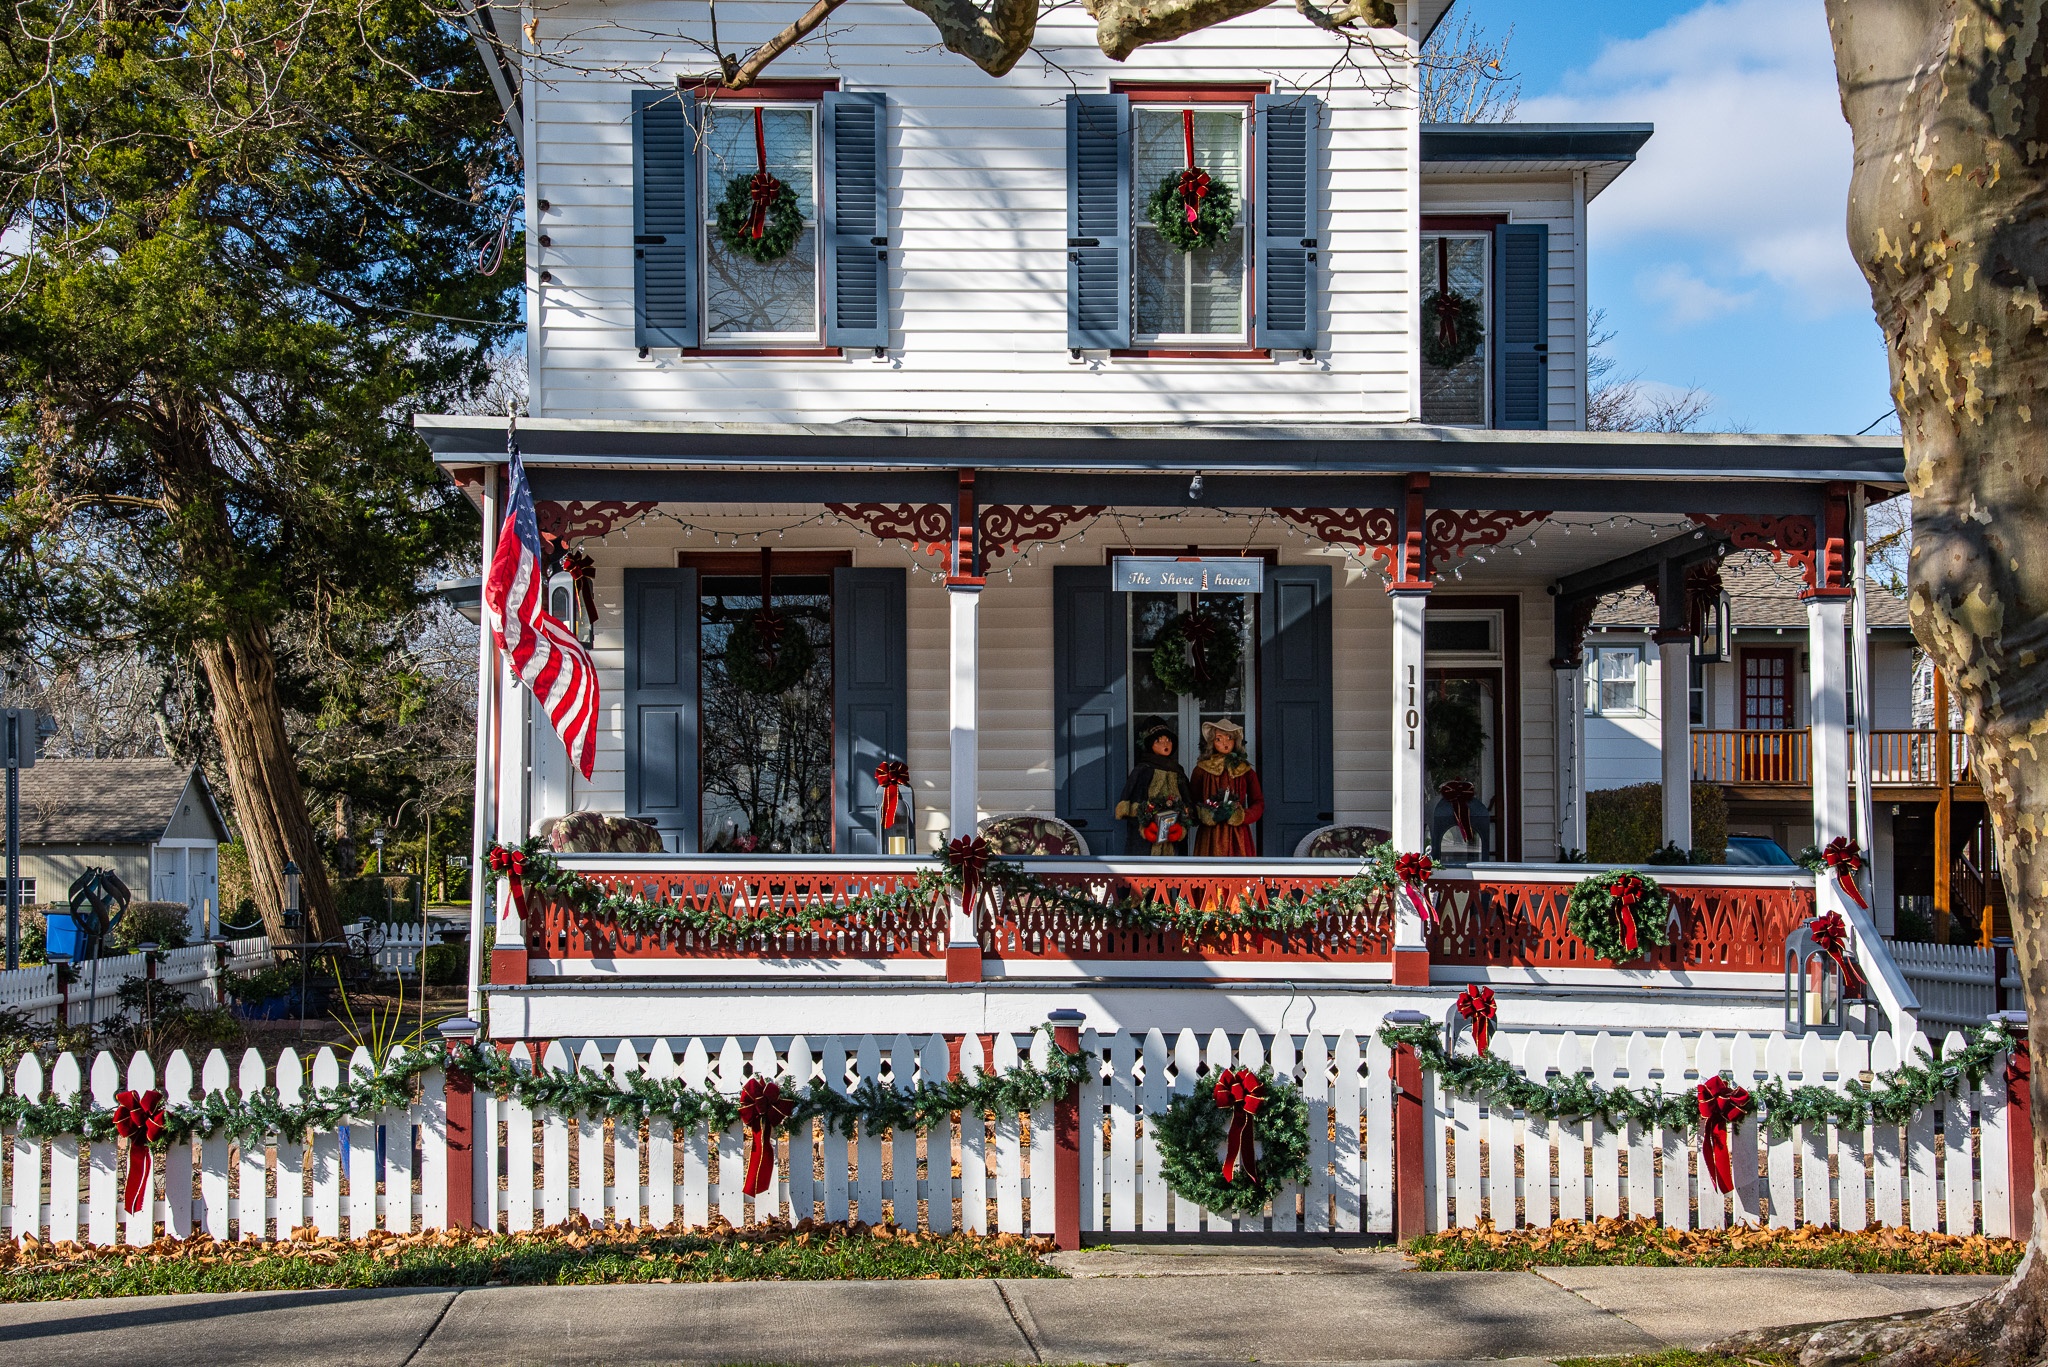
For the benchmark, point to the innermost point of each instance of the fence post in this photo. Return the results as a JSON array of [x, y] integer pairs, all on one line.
[[2019, 1127], [1066, 1138], [1411, 1209], [61, 966], [461, 1103]]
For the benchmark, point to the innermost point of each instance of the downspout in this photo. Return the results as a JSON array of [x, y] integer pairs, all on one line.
[[1859, 673]]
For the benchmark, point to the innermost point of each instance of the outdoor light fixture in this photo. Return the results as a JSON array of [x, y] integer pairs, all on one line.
[[1195, 488], [291, 893]]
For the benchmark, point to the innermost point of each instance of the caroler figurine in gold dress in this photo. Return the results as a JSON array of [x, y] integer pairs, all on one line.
[[1228, 799]]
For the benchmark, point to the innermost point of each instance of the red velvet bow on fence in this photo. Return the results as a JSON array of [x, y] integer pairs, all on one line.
[[763, 1108], [1238, 1092], [1475, 1004], [1413, 871], [1722, 1104], [139, 1119], [969, 854], [892, 776], [1844, 860], [1628, 892], [1831, 935], [763, 189], [510, 864], [1459, 794]]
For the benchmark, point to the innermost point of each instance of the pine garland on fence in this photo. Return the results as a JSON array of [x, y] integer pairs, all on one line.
[[593, 1094], [1900, 1092], [640, 915]]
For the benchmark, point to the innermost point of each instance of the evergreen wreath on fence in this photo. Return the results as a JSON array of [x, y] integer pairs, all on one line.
[[1193, 1129], [1196, 651], [1609, 909], [1899, 1094], [768, 654]]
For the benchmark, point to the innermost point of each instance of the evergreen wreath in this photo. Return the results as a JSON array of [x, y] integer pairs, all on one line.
[[768, 659], [1198, 650], [1452, 328], [1595, 915], [1215, 210], [1191, 1133], [784, 225]]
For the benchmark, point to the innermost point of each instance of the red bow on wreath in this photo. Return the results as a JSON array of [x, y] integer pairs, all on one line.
[[1628, 892], [892, 776], [139, 1119], [1844, 860], [763, 1109], [510, 864], [1239, 1093], [1459, 794], [1413, 871], [969, 854], [1831, 936], [1475, 1004], [1447, 305], [767, 638], [1722, 1104], [763, 189], [1194, 181]]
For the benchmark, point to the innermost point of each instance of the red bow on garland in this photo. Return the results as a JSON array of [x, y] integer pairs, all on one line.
[[139, 1119], [510, 864], [1413, 870], [763, 1109], [1194, 181], [969, 854], [1722, 1104], [1627, 892], [1239, 1093], [1459, 794], [763, 188], [1831, 935], [1475, 1004], [1844, 860], [892, 776]]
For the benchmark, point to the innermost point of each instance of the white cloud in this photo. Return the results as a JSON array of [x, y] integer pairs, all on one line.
[[1749, 168], [1686, 298]]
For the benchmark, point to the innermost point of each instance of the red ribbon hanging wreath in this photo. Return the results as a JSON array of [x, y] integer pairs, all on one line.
[[1239, 1093], [1446, 302], [969, 854], [1194, 181], [1831, 936], [1413, 871], [892, 776], [510, 864], [1844, 860], [763, 1109], [1628, 893], [1476, 1005], [139, 1119], [763, 189], [1459, 794], [1722, 1104]]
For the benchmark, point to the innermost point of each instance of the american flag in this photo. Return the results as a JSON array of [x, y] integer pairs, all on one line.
[[542, 651]]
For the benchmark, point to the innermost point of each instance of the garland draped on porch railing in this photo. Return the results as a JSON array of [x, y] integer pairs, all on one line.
[[1900, 1092], [771, 913]]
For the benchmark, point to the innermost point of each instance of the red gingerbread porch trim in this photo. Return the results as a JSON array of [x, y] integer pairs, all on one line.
[[1364, 530], [576, 519], [928, 527], [1791, 539], [1455, 533], [1007, 528]]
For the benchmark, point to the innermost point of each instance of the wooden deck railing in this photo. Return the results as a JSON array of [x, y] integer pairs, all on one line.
[[1785, 758]]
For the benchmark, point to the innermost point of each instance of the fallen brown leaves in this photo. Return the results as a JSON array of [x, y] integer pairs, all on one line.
[[1646, 1242]]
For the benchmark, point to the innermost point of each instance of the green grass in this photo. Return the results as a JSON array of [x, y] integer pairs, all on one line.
[[1678, 1357], [551, 1261], [1635, 1243]]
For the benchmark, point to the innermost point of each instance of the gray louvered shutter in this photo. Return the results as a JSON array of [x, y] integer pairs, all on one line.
[[664, 219], [1098, 221], [1286, 221], [1521, 325], [870, 699], [1296, 705], [853, 214], [660, 702], [1091, 757]]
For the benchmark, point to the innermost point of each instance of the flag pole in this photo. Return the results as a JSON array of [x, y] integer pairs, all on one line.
[[481, 828]]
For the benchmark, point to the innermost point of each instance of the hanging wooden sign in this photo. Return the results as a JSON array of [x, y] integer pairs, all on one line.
[[1192, 574]]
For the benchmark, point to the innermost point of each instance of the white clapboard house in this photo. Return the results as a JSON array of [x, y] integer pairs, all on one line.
[[979, 378]]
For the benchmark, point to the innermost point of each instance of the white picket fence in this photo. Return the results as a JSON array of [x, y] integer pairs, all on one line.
[[1945, 1170], [96, 984], [1954, 982], [392, 948]]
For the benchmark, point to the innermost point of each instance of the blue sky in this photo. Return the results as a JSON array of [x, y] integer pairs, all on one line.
[[1719, 257]]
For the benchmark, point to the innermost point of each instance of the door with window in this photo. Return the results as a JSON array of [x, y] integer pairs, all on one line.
[[1767, 706]]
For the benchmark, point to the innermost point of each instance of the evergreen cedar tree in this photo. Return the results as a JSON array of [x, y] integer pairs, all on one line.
[[255, 231]]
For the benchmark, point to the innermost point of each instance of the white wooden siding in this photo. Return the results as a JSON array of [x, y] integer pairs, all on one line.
[[1627, 748]]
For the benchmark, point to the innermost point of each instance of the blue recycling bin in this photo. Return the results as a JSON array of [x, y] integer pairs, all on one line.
[[61, 935]]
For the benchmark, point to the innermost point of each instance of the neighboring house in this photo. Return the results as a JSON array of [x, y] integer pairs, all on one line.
[[152, 821], [982, 374]]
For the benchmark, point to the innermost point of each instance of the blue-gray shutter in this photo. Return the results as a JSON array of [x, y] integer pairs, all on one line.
[[664, 219], [661, 702], [1098, 222], [870, 698], [1296, 741], [1091, 756], [853, 218], [1521, 325], [1285, 221]]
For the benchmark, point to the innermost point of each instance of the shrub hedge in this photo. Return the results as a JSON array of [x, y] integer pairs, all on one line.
[[1626, 825]]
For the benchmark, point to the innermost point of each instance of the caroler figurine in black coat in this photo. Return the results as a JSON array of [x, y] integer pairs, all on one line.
[[1157, 805]]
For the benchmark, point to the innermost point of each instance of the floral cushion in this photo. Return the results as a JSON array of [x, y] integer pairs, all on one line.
[[1341, 842], [1020, 835], [596, 833]]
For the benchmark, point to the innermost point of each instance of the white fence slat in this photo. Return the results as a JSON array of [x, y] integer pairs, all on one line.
[[1251, 1054], [103, 1177], [1500, 1162], [362, 1155], [1154, 1196], [1852, 1059], [177, 1162], [252, 1168], [1607, 1142], [1994, 1140], [1464, 1123], [65, 1154], [589, 1180], [732, 1141], [1539, 1056], [838, 1147], [1040, 1155], [973, 1145], [1315, 1091], [903, 1141], [661, 1144], [1815, 1205], [697, 1144], [1123, 1132], [1091, 1099], [325, 1164], [396, 1124], [1287, 1200], [431, 1112], [1009, 1151], [293, 1167], [1218, 1056], [1746, 1204], [1958, 1184], [1364, 1134], [803, 1150], [1781, 1157], [1922, 1190], [1435, 1148], [1187, 1058], [867, 1186], [933, 1066], [1709, 1059], [213, 1153], [1887, 1143], [26, 1167], [1571, 1139], [1674, 1186], [521, 1190], [1640, 1142], [554, 1146], [626, 1191], [138, 1227]]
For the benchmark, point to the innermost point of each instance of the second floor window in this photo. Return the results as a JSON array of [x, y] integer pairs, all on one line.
[[1195, 295], [747, 299], [1454, 328]]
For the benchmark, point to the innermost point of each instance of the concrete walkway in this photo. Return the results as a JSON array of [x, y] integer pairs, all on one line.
[[1146, 1304]]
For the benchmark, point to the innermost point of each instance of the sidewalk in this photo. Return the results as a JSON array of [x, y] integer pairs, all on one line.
[[1149, 1304]]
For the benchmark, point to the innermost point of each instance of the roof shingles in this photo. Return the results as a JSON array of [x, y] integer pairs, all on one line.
[[100, 801]]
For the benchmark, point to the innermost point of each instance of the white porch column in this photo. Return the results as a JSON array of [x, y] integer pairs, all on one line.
[[964, 604], [480, 882], [1828, 715], [1674, 661], [1410, 801], [1571, 764]]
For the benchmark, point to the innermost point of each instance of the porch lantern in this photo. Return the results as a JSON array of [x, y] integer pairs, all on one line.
[[1714, 643], [1814, 996]]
